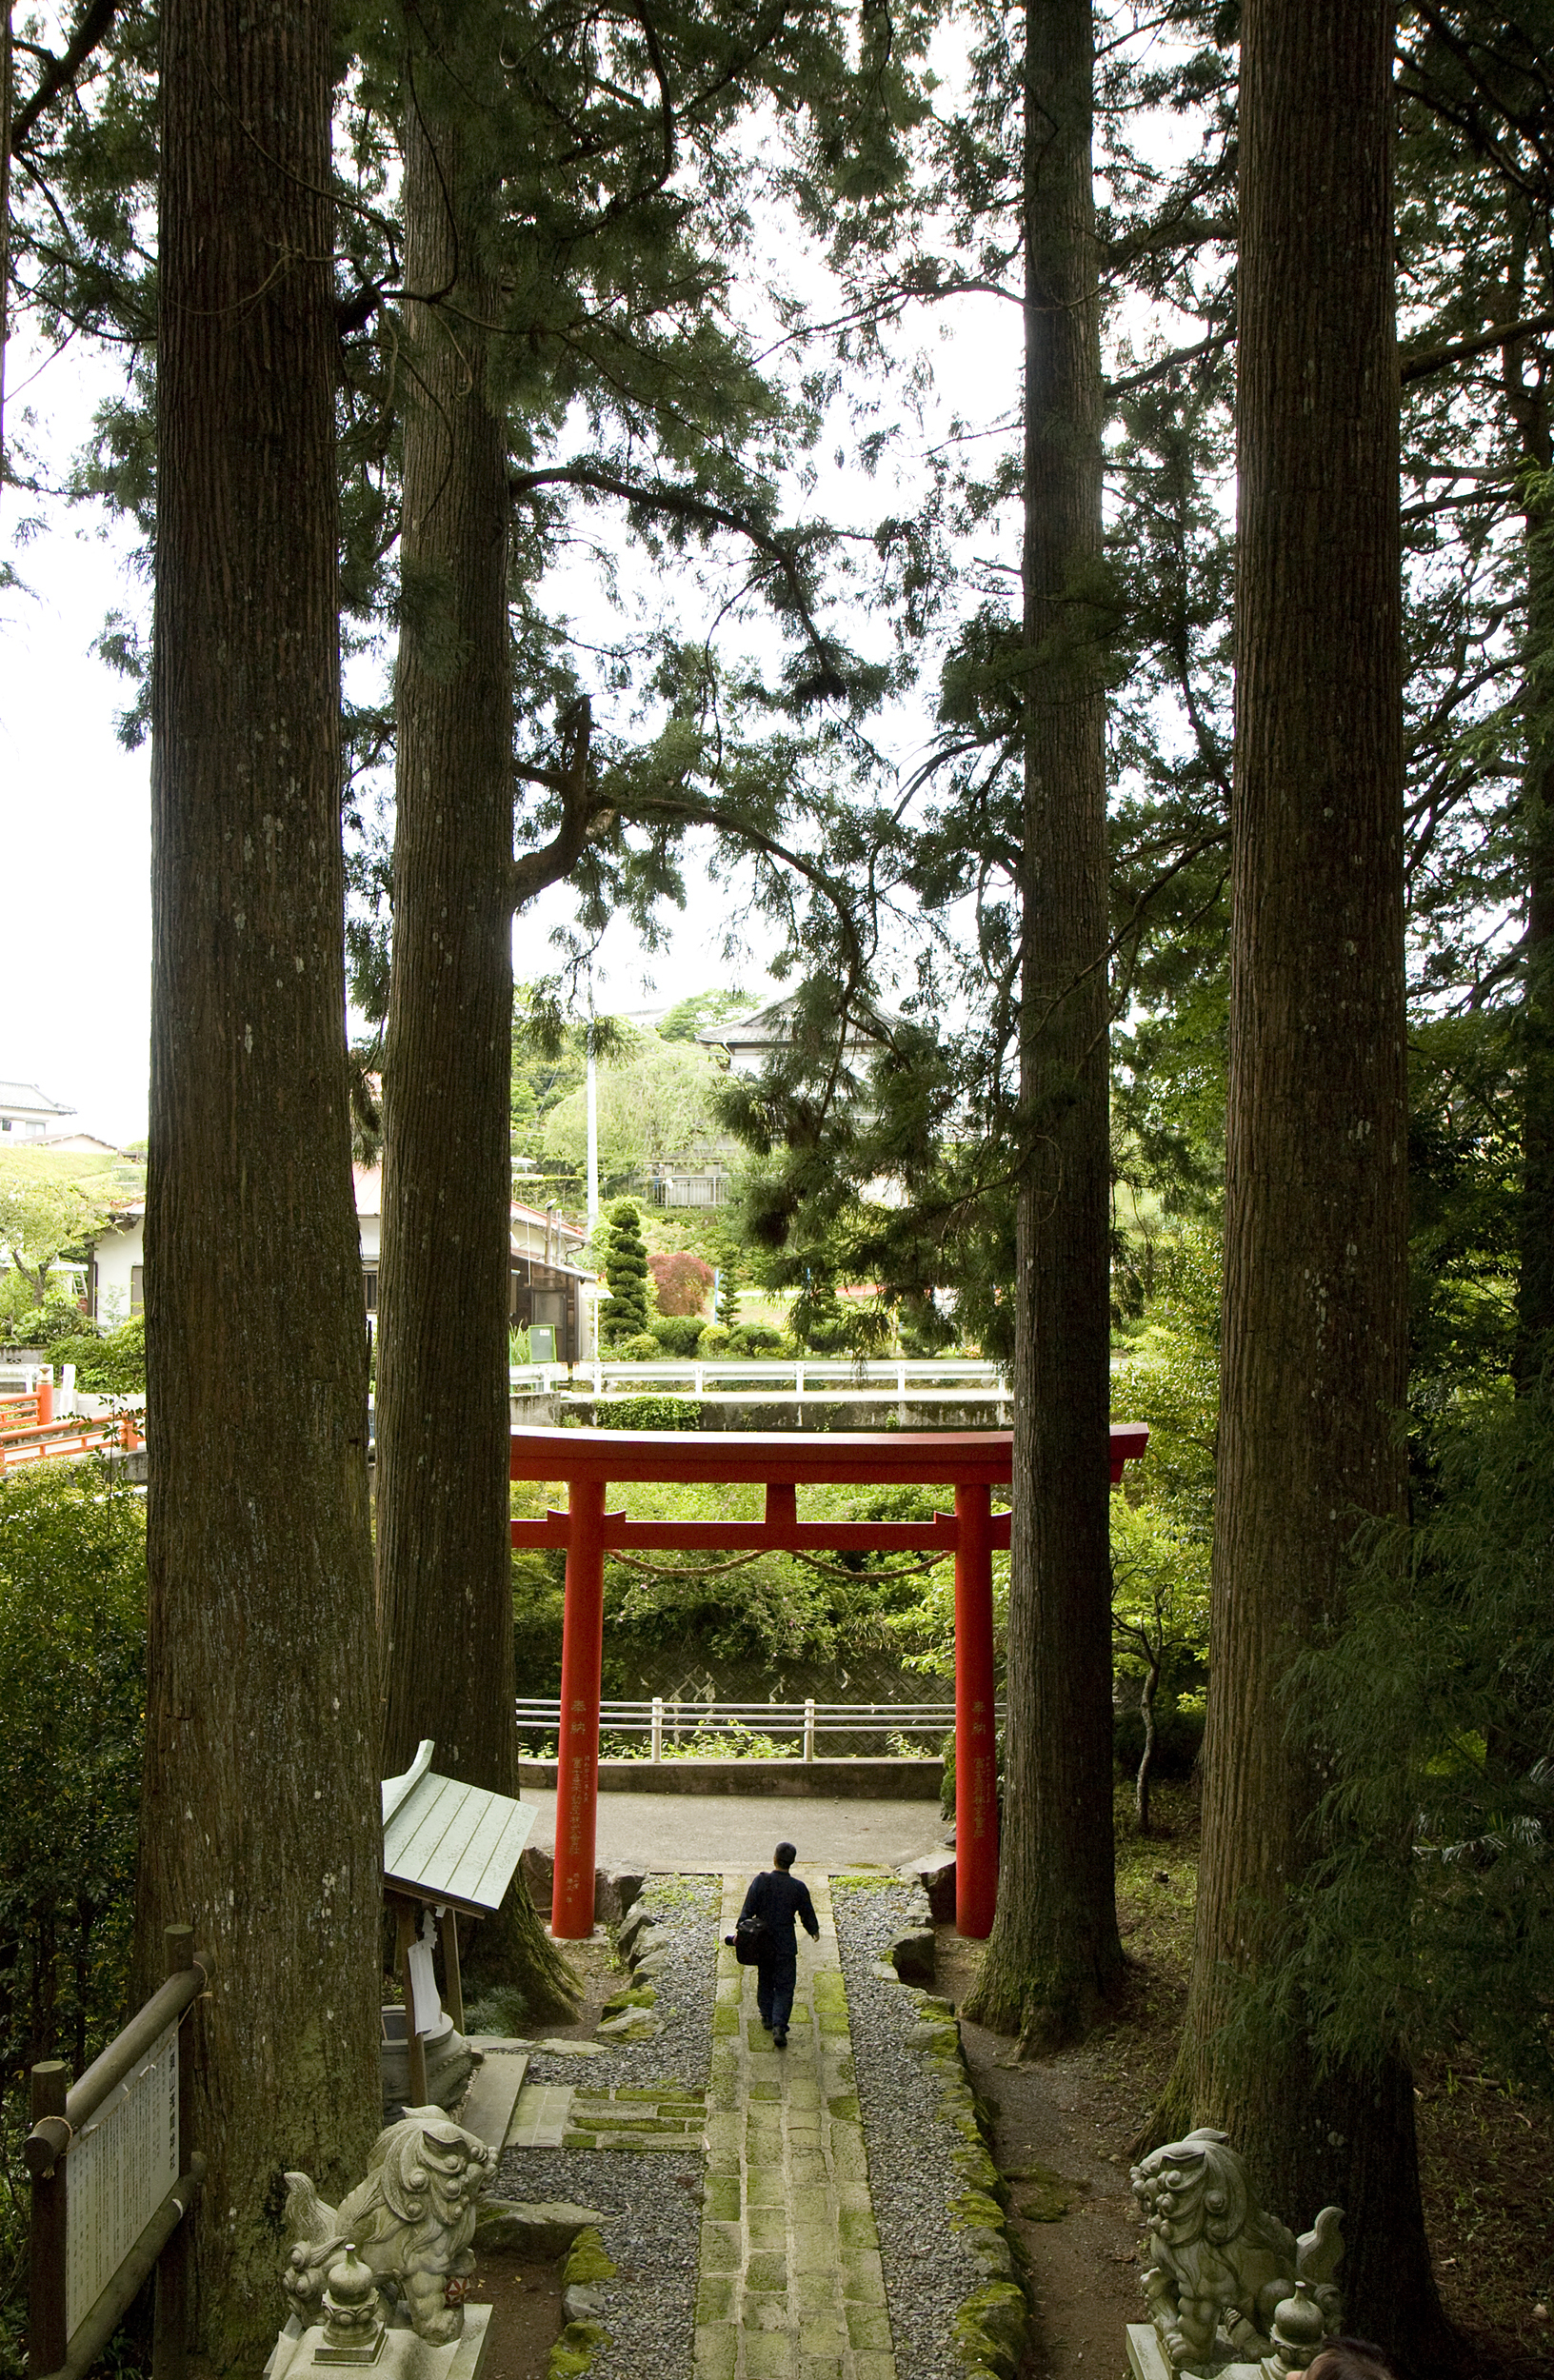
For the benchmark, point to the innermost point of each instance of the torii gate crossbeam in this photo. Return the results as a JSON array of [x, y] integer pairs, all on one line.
[[972, 1461]]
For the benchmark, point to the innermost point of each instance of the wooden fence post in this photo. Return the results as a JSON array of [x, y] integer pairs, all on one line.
[[169, 2326], [46, 2291]]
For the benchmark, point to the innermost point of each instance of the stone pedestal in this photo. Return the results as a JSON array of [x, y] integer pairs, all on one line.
[[1147, 2360], [300, 2354]]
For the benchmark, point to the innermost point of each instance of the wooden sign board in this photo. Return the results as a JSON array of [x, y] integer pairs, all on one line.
[[451, 1844], [121, 2165]]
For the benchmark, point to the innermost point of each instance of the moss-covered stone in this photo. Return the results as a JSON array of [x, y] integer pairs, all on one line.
[[990, 2327], [588, 2260]]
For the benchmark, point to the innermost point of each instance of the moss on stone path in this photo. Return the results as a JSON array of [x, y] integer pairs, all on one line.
[[790, 2284]]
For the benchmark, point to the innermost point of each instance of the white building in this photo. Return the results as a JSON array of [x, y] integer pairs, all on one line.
[[547, 1286], [27, 1114]]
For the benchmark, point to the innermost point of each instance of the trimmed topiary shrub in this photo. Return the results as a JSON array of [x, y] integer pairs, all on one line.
[[626, 1274], [648, 1413], [754, 1339], [642, 1347], [677, 1334], [712, 1342]]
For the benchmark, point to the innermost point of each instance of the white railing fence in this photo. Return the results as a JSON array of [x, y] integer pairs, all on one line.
[[674, 1723], [810, 1380]]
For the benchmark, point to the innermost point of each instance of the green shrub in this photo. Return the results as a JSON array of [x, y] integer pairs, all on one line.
[[114, 1366], [1179, 1734], [754, 1339], [73, 1686], [677, 1334], [648, 1413], [712, 1342], [642, 1348], [55, 1327]]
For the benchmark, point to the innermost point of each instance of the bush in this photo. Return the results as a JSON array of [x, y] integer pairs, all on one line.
[[54, 1327], [72, 1685], [114, 1366], [1177, 1737], [754, 1339], [677, 1334], [681, 1281], [648, 1413], [714, 1340], [642, 1348]]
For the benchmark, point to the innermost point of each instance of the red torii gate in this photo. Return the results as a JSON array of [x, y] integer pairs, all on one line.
[[973, 1462]]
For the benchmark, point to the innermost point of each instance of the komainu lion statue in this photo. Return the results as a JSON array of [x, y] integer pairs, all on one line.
[[1215, 2266], [410, 2219]]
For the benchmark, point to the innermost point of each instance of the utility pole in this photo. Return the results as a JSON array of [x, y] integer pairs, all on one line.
[[593, 1134]]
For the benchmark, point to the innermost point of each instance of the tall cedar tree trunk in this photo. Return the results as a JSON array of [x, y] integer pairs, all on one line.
[[445, 1590], [1054, 1956], [1529, 408], [1316, 1222], [261, 1821]]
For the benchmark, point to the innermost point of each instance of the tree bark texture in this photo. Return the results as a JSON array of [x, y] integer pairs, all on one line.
[[1530, 403], [261, 1815], [1314, 1372], [1054, 1956], [443, 1552]]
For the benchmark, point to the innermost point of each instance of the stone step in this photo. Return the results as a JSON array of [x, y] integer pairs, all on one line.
[[541, 2116], [494, 2092]]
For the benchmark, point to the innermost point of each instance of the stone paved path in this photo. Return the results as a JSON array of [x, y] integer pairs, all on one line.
[[790, 2284]]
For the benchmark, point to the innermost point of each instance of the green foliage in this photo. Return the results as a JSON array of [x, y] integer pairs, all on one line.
[[755, 1339], [49, 1206], [1172, 1379], [712, 1342], [726, 1307], [72, 1668], [702, 1009], [1431, 1917], [58, 1327], [642, 1347], [677, 1334], [626, 1274], [655, 1100], [114, 1366], [648, 1413]]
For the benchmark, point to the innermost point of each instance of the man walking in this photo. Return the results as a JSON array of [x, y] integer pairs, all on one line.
[[777, 1897]]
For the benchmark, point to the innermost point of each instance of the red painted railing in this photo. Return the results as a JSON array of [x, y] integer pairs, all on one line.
[[972, 1461]]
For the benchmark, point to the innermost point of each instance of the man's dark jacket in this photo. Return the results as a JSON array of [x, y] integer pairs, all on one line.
[[779, 1898]]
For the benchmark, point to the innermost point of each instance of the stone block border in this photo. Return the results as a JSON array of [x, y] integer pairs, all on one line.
[[992, 2325]]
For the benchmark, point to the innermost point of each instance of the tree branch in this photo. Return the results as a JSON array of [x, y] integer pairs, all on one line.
[[1437, 359], [554, 860], [677, 502], [60, 73]]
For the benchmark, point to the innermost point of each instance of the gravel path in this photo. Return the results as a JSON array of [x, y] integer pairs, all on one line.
[[655, 2206], [685, 1947], [654, 2199], [929, 2272]]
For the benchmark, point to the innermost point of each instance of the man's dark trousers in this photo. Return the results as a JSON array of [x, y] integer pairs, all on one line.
[[774, 1979]]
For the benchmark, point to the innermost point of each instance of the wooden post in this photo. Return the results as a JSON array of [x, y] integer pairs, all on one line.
[[976, 1726], [407, 1916], [447, 1925], [577, 1752], [45, 2341], [169, 2329]]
